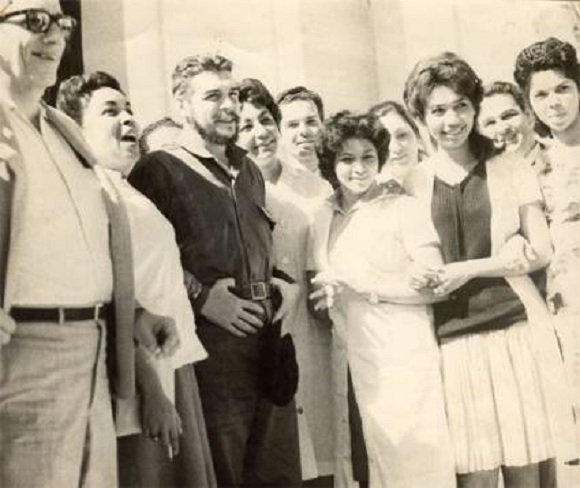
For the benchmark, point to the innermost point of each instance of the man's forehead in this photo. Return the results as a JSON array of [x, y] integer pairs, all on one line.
[[208, 80], [498, 102], [298, 109]]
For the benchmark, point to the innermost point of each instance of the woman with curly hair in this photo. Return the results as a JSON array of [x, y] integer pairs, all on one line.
[[162, 438], [504, 384], [365, 240], [548, 73]]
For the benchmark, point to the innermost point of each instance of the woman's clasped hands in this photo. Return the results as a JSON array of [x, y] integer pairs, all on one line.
[[439, 280]]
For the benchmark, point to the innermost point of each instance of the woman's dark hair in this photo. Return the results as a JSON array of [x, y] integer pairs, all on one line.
[[343, 126], [253, 91], [76, 91], [450, 70], [549, 54], [383, 108]]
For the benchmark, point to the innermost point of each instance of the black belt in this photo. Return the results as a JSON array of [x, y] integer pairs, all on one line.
[[258, 290], [59, 314]]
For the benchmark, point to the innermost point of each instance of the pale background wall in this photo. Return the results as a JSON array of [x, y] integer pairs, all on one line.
[[354, 52]]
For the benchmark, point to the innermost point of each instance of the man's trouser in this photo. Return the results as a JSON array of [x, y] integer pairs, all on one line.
[[56, 425], [252, 441]]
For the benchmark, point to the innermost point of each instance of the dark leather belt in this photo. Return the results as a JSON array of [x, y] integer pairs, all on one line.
[[258, 290], [59, 315]]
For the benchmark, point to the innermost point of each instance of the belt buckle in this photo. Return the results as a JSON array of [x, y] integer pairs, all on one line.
[[61, 316], [258, 290]]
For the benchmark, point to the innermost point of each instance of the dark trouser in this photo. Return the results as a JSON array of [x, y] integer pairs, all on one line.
[[360, 463], [252, 441]]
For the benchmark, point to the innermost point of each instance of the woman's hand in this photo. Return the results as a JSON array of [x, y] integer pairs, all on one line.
[[161, 421], [452, 276], [517, 254], [290, 294], [422, 278], [327, 287]]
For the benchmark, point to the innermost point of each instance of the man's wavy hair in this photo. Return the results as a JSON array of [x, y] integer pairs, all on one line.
[[301, 93], [75, 92], [192, 66], [506, 88], [450, 70], [255, 92], [346, 125], [549, 54]]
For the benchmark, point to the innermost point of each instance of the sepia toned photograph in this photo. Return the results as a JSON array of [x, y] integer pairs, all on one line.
[[268, 243]]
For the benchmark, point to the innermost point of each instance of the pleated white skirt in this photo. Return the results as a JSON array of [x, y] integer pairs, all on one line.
[[497, 399]]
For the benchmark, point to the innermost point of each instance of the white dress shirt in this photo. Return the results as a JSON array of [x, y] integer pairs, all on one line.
[[64, 259]]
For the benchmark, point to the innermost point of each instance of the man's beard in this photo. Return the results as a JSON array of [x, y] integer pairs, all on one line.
[[212, 136]]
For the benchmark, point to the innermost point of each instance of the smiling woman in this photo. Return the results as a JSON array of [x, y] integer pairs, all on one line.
[[99, 106], [363, 240], [493, 324], [168, 426]]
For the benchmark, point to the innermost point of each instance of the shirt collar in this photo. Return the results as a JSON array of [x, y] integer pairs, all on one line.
[[296, 166], [190, 140], [194, 144], [335, 199]]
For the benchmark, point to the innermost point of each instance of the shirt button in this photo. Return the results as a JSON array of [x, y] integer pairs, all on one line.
[[299, 410]]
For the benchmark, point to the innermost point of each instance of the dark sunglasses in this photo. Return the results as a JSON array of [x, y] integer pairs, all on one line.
[[39, 21]]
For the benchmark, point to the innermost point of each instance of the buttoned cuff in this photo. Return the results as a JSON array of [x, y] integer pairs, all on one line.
[[199, 300], [197, 292]]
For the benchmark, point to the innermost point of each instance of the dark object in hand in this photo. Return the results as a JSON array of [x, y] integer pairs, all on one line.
[[278, 365]]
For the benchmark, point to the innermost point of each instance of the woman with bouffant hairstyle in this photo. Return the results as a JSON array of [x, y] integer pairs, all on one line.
[[365, 239], [549, 74], [493, 326]]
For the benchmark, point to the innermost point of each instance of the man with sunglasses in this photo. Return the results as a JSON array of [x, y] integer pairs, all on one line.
[[65, 265]]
